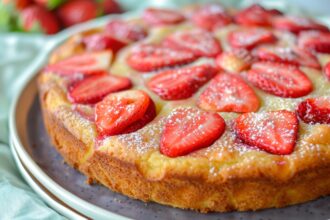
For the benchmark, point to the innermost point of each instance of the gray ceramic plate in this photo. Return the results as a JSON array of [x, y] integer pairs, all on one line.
[[40, 159]]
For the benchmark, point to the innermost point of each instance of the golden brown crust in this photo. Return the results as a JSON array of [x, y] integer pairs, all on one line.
[[184, 191]]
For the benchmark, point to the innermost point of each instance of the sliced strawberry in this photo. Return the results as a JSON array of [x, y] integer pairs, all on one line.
[[199, 42], [103, 41], [77, 11], [294, 56], [211, 17], [187, 130], [148, 57], [85, 111], [154, 16], [327, 70], [86, 64], [296, 24], [119, 110], [146, 118], [255, 15], [181, 83], [315, 41], [315, 110], [228, 93], [235, 60], [93, 89], [125, 30], [250, 38], [274, 132], [279, 79], [36, 18]]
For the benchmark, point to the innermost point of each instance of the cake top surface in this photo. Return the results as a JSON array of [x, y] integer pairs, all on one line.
[[231, 93]]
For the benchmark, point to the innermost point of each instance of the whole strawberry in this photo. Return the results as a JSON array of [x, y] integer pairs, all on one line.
[[109, 6], [77, 11], [36, 18]]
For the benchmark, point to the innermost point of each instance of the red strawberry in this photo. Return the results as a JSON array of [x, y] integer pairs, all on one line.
[[279, 79], [315, 110], [154, 16], [255, 15], [228, 93], [109, 6], [148, 57], [117, 111], [20, 4], [314, 40], [250, 38], [86, 64], [103, 41], [50, 4], [85, 111], [37, 18], [199, 42], [327, 70], [146, 118], [294, 56], [77, 11], [187, 130], [211, 17], [296, 24], [235, 60], [125, 31], [93, 89], [274, 132], [181, 83]]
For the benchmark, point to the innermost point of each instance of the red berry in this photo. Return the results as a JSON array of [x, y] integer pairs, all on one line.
[[103, 41], [181, 83], [187, 130], [315, 41], [228, 93], [37, 18], [250, 38], [146, 118], [77, 11], [110, 6], [118, 111], [154, 16], [274, 132], [255, 15], [287, 55], [211, 17], [93, 89], [297, 24], [279, 79], [149, 57], [125, 30], [198, 42], [85, 64], [315, 110]]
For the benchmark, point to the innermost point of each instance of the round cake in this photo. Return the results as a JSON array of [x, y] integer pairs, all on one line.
[[205, 108]]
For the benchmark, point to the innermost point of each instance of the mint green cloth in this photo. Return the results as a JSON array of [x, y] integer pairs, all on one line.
[[17, 51], [17, 199]]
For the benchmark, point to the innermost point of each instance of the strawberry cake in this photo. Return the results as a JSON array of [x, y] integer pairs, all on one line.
[[206, 108]]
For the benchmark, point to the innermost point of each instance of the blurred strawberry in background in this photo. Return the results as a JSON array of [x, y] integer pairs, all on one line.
[[36, 18], [50, 16]]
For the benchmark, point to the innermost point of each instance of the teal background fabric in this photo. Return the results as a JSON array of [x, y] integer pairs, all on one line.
[[17, 51]]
